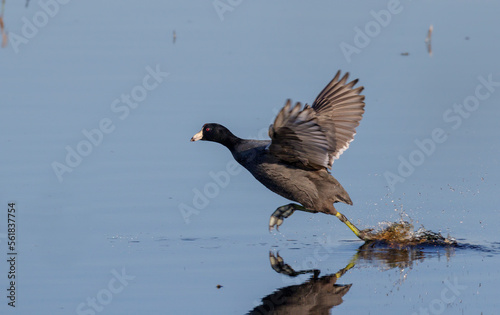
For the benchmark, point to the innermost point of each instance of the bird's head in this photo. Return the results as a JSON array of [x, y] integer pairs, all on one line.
[[213, 132]]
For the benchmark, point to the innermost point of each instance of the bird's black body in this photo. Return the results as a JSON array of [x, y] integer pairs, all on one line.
[[304, 143], [286, 179]]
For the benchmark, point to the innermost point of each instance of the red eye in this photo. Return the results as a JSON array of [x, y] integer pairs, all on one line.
[[207, 129]]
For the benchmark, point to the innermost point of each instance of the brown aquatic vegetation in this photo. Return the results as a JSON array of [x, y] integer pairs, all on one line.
[[402, 234]]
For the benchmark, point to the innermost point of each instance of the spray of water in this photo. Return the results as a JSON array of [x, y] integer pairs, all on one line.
[[402, 233]]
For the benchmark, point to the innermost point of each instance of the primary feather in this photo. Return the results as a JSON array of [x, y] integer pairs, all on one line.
[[314, 137]]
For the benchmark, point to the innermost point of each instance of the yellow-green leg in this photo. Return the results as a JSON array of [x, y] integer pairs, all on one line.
[[351, 264], [350, 225]]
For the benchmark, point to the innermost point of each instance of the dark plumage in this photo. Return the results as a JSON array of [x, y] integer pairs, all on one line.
[[304, 143]]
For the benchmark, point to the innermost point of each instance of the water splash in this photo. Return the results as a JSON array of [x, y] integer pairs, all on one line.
[[402, 234]]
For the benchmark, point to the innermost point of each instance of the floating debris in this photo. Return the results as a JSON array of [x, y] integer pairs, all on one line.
[[428, 40], [218, 286], [2, 27], [174, 37], [405, 53]]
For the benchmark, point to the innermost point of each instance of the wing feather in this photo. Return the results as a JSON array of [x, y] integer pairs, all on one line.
[[297, 138], [339, 109], [314, 136]]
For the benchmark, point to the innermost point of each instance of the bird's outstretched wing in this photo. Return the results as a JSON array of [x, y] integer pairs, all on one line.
[[316, 136], [339, 109], [297, 137]]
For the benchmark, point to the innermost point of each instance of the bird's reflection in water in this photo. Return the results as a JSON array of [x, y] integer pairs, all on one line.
[[315, 296], [319, 295]]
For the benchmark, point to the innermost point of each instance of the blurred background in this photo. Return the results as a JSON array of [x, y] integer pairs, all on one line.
[[99, 101]]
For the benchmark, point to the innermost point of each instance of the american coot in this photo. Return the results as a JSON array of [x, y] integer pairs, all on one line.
[[304, 143]]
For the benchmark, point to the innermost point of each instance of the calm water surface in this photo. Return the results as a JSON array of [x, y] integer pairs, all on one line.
[[118, 213]]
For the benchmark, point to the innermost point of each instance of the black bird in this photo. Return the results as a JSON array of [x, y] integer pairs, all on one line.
[[304, 143]]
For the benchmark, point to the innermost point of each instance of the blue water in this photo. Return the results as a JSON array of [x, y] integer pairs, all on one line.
[[106, 230]]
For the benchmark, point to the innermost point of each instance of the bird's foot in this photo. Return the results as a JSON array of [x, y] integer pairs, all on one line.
[[367, 235], [279, 265], [279, 215]]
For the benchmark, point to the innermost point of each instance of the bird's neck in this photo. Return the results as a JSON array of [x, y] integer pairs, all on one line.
[[230, 141]]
